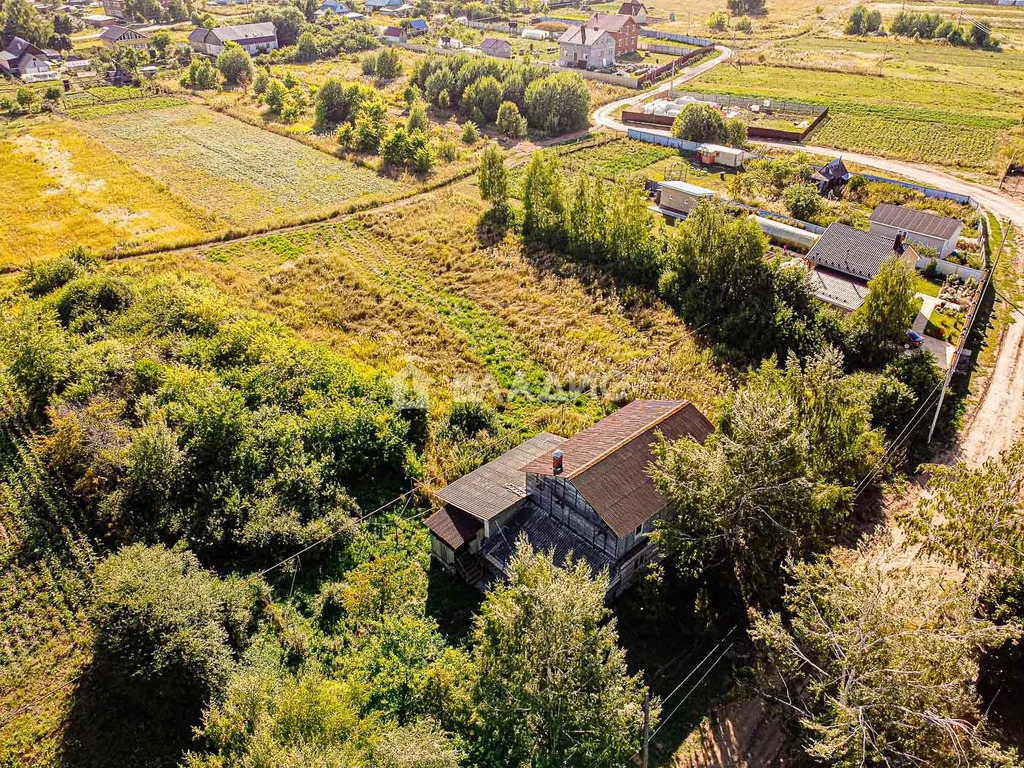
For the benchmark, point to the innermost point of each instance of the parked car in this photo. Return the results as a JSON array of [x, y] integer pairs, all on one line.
[[916, 339]]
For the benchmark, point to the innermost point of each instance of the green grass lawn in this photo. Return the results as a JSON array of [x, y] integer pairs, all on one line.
[[945, 327], [926, 286]]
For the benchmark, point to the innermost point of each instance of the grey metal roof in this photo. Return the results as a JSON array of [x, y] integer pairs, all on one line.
[[545, 533], [832, 170], [17, 46], [116, 33], [851, 251], [612, 22], [489, 490], [838, 289], [583, 35], [264, 31], [918, 222]]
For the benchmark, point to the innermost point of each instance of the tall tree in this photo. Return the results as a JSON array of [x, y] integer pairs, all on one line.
[[876, 663], [887, 312], [543, 201], [19, 18], [773, 480], [552, 688], [493, 176], [974, 518]]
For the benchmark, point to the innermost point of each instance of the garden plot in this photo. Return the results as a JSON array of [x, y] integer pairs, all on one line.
[[900, 115], [240, 174], [64, 188]]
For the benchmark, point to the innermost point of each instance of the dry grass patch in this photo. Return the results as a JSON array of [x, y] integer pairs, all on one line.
[[412, 281], [63, 188]]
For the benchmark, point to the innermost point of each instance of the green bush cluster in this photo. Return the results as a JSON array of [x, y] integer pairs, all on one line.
[[478, 86], [181, 418]]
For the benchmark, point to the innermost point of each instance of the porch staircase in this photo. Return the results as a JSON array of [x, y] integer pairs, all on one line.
[[469, 568]]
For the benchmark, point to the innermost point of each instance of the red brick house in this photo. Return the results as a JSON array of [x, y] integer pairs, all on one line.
[[624, 29]]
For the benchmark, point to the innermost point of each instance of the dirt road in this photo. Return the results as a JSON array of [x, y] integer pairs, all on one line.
[[997, 420]]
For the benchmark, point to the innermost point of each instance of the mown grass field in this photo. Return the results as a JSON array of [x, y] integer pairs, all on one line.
[[64, 188], [235, 172]]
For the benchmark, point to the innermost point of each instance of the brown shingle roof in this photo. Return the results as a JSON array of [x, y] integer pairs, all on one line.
[[918, 222], [607, 463], [489, 490], [454, 527]]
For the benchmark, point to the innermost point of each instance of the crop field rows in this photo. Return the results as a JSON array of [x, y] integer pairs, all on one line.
[[236, 172]]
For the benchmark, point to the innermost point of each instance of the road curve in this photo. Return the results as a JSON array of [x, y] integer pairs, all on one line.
[[995, 423], [990, 198]]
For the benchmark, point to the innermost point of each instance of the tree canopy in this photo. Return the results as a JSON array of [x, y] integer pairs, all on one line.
[[552, 688], [875, 663]]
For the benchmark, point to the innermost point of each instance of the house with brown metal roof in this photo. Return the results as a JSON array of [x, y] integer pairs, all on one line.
[[921, 227], [589, 497]]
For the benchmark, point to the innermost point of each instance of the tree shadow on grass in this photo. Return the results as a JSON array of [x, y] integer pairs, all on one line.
[[494, 225], [107, 726], [452, 603]]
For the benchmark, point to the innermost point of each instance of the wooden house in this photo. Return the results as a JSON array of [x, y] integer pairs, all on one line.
[[588, 496]]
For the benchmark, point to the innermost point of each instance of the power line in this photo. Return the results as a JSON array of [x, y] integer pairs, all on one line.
[[694, 688], [334, 533], [698, 665]]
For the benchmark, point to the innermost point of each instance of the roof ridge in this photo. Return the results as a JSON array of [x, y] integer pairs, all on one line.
[[625, 441]]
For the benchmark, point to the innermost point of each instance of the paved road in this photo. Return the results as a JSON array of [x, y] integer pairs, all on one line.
[[996, 422]]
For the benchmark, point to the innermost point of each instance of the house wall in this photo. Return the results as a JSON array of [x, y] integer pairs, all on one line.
[[677, 201], [944, 247], [601, 54], [626, 38], [440, 550], [31, 65]]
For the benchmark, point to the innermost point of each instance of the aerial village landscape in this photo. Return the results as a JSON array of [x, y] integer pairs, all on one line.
[[451, 383]]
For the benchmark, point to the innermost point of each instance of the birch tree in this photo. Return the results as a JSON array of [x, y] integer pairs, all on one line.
[[876, 664]]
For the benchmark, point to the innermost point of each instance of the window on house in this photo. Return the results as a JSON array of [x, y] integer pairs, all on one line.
[[639, 530]]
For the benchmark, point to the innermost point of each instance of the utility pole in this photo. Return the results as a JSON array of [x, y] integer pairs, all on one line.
[[967, 329], [647, 727]]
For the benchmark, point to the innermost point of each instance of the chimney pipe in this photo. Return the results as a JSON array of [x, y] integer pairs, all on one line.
[[556, 462], [898, 245]]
